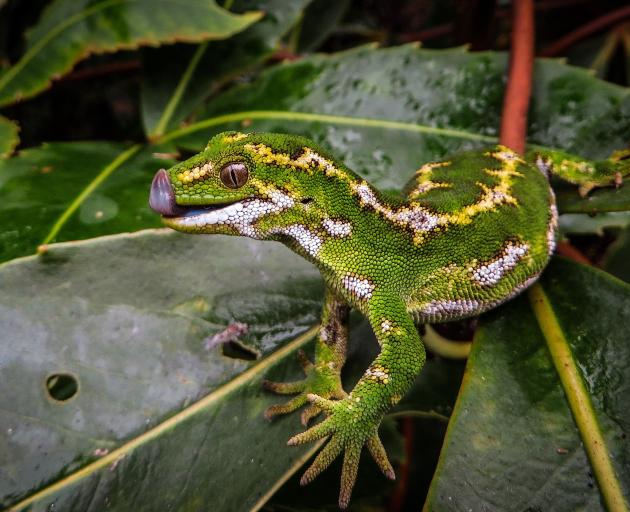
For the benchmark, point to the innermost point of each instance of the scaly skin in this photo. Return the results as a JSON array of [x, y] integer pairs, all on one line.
[[472, 232]]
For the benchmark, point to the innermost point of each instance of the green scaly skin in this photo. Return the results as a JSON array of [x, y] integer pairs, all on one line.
[[472, 232]]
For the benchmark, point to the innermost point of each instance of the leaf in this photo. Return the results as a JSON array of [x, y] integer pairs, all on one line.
[[88, 189], [9, 138], [383, 112], [598, 201], [319, 21], [177, 79], [158, 422], [618, 255], [576, 223], [386, 111], [540, 404], [70, 30]]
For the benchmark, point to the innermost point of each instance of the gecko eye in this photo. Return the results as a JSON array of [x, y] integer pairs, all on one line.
[[234, 175]]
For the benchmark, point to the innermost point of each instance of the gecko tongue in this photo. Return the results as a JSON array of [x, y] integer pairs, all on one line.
[[162, 196]]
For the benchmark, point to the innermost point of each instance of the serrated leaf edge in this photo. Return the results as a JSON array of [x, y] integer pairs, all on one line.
[[12, 72]]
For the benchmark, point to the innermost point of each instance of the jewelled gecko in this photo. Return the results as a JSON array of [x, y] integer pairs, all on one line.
[[471, 232]]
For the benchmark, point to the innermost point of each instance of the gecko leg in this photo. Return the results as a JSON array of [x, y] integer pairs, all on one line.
[[587, 174], [353, 421], [322, 377]]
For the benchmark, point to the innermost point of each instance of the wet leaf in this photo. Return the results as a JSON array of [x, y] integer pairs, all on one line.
[[156, 421], [383, 112], [521, 424], [386, 111], [70, 30], [576, 223], [74, 190], [177, 79]]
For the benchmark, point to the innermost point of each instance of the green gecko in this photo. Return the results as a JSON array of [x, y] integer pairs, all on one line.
[[472, 232]]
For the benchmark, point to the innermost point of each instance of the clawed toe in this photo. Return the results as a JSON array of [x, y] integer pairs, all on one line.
[[284, 388], [290, 406]]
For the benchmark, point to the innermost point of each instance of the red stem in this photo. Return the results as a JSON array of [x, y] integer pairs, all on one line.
[[585, 31], [427, 33], [517, 92], [102, 69], [568, 251]]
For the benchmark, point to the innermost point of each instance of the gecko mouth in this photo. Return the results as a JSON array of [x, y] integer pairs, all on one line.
[[162, 199]]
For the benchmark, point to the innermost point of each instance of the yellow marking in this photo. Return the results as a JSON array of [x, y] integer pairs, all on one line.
[[235, 137], [569, 166], [428, 168], [268, 156], [420, 219], [506, 156], [268, 190], [307, 160], [197, 173], [425, 186], [423, 181]]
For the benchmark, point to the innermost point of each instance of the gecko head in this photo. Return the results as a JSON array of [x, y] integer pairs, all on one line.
[[246, 184]]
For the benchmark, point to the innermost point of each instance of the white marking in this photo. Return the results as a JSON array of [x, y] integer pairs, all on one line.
[[337, 227], [379, 373], [242, 215], [308, 240], [543, 165], [417, 218], [386, 326], [449, 308], [362, 288], [552, 227], [367, 196], [491, 273]]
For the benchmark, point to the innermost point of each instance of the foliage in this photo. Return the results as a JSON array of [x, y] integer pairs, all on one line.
[[109, 397]]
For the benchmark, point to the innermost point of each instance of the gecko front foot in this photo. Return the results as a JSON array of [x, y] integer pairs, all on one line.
[[321, 379], [349, 426]]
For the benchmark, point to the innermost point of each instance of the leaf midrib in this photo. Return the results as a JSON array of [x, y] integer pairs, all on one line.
[[127, 448], [578, 400]]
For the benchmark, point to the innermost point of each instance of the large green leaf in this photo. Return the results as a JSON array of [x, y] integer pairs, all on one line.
[[70, 30], [159, 422], [177, 79], [385, 111], [85, 188], [543, 415], [382, 111]]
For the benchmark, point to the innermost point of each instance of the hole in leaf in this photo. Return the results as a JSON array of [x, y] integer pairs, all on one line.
[[307, 200], [62, 386], [238, 350]]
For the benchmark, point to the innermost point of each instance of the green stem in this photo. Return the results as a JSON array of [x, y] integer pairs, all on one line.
[[182, 85]]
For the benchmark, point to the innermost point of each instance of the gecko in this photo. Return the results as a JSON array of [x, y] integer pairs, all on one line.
[[468, 233]]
